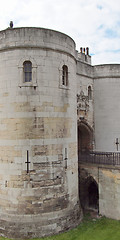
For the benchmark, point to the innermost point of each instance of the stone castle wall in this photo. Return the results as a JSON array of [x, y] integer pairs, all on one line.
[[85, 105], [106, 106], [101, 113], [37, 118], [108, 182], [41, 122]]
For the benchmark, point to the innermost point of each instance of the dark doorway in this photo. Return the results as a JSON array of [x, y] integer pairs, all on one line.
[[88, 192], [84, 139], [93, 195], [88, 188]]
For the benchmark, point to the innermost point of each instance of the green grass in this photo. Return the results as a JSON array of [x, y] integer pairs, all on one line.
[[89, 229]]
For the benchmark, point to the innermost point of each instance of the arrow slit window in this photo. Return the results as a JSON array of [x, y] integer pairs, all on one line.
[[89, 93]]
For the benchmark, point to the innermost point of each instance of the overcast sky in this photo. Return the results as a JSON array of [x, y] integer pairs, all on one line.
[[91, 23]]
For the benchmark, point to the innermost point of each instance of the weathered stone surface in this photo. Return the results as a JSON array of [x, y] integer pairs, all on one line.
[[108, 182], [38, 125], [39, 139]]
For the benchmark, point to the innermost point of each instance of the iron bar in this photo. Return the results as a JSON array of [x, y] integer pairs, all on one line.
[[27, 161]]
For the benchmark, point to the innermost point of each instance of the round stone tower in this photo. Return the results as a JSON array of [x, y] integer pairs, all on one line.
[[38, 133], [107, 107]]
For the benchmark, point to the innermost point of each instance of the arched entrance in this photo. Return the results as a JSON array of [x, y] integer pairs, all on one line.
[[88, 188], [89, 194], [93, 196], [85, 138]]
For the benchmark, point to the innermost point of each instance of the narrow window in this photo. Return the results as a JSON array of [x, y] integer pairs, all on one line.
[[27, 69], [65, 75], [89, 93]]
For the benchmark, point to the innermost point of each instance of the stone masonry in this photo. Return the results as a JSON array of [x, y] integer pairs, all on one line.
[[66, 107], [38, 121]]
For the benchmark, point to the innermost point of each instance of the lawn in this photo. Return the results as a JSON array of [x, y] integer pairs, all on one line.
[[90, 229]]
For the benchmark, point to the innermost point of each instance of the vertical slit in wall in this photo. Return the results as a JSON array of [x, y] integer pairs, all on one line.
[[66, 158]]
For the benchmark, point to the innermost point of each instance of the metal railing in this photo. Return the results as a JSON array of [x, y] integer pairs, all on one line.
[[106, 158]]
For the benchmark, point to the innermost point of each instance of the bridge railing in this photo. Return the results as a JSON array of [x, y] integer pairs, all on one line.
[[106, 158]]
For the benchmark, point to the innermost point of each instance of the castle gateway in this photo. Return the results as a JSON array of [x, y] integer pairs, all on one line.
[[59, 134]]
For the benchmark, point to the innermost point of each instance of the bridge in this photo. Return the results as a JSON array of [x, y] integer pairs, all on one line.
[[104, 158], [99, 182]]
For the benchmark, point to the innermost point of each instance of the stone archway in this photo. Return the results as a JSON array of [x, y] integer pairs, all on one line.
[[88, 189], [93, 195], [88, 192], [85, 138]]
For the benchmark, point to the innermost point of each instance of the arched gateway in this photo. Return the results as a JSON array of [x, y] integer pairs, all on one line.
[[85, 138], [88, 188], [89, 195]]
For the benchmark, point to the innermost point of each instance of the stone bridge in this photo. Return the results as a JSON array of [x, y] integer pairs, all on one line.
[[99, 184]]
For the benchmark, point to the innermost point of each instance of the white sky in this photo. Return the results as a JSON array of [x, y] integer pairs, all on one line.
[[91, 23]]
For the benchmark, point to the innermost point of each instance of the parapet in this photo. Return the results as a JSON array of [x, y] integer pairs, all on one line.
[[26, 37]]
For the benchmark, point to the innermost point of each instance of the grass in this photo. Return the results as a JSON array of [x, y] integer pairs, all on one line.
[[89, 229]]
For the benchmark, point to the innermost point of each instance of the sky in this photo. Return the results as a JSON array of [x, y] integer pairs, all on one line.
[[91, 23]]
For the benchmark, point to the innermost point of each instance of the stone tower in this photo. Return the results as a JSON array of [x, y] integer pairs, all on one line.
[[106, 107], [38, 133]]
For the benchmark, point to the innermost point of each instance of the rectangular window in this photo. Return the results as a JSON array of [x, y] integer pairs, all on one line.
[[27, 68], [65, 75]]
